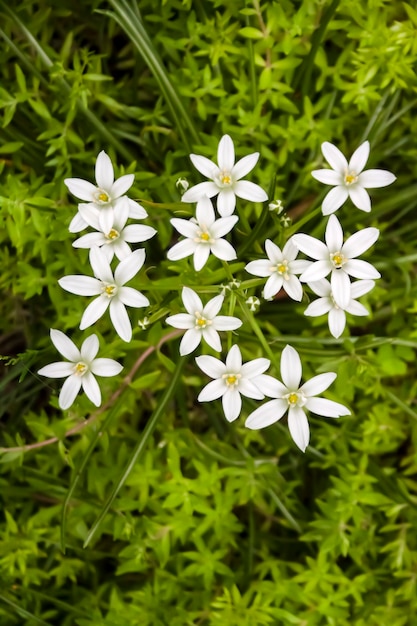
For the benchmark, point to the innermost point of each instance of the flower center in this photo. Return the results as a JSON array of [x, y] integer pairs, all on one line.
[[109, 290], [224, 179], [231, 380], [295, 398], [80, 369], [101, 196], [201, 322], [350, 178], [112, 235], [338, 259], [204, 237], [281, 268]]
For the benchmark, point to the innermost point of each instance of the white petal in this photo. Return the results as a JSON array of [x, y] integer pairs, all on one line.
[[319, 307], [135, 233], [337, 322], [212, 307], [104, 171], [360, 198], [226, 322], [181, 320], [100, 265], [376, 178], [360, 287], [194, 194], [211, 337], [64, 345], [318, 384], [120, 320], [272, 286], [334, 234], [357, 243], [81, 189], [211, 366], [226, 153], [129, 267], [191, 301], [291, 368], [245, 165], [120, 248], [90, 348], [223, 226], [232, 404], [81, 285], [316, 271], [121, 212], [122, 185], [290, 250], [250, 390], [321, 287], [293, 288], [212, 391], [106, 367], [361, 269], [89, 212], [234, 359], [201, 255], [205, 212], [311, 246], [106, 218], [60, 369], [299, 266], [328, 177], [267, 414], [226, 202], [334, 157], [190, 341], [359, 158], [91, 388], [340, 283], [181, 250], [94, 311], [249, 191], [77, 224], [90, 240], [255, 367], [223, 250], [187, 228], [326, 408], [204, 165], [69, 391], [270, 386], [274, 253], [356, 308], [334, 200], [132, 297], [259, 268], [298, 426]]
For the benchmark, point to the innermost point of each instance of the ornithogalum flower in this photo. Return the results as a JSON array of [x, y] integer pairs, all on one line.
[[110, 290], [116, 240], [295, 399], [79, 369], [104, 195], [225, 178], [201, 322], [203, 235], [326, 303], [348, 179], [232, 379], [281, 267], [338, 258]]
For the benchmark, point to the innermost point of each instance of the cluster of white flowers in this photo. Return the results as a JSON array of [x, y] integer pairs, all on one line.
[[106, 209]]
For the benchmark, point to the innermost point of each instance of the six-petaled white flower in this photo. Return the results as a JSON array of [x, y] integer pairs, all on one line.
[[232, 379], [281, 268], [203, 235], [80, 368], [348, 179], [295, 399], [110, 290], [326, 303], [201, 322], [338, 258], [116, 240], [104, 195], [225, 178]]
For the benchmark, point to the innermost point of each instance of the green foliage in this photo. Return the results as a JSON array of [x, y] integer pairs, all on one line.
[[188, 519]]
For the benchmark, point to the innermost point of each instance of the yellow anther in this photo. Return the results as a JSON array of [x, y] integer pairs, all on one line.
[[292, 398], [226, 179], [282, 268], [337, 259], [80, 369], [113, 234], [205, 236], [103, 197], [109, 290], [201, 322], [350, 178], [231, 380]]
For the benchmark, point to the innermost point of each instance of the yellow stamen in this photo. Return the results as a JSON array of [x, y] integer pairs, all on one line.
[[337, 259], [201, 322], [205, 236], [109, 290], [292, 398], [226, 179], [113, 234], [350, 178], [103, 197], [231, 379], [80, 369]]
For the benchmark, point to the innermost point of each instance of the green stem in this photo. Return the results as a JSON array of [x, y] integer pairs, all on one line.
[[258, 332]]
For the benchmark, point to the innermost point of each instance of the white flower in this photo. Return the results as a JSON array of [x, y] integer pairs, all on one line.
[[281, 269], [109, 289], [80, 368], [338, 258], [349, 179], [182, 184], [277, 206], [290, 396], [203, 235], [104, 195], [326, 303], [253, 303], [233, 379], [225, 178], [116, 240], [201, 322]]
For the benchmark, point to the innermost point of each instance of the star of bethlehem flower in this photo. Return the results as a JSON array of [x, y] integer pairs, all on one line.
[[104, 196], [326, 304], [281, 268], [349, 179], [289, 396], [116, 240], [110, 290], [79, 369], [203, 235], [225, 178], [338, 258], [232, 379], [201, 322]]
